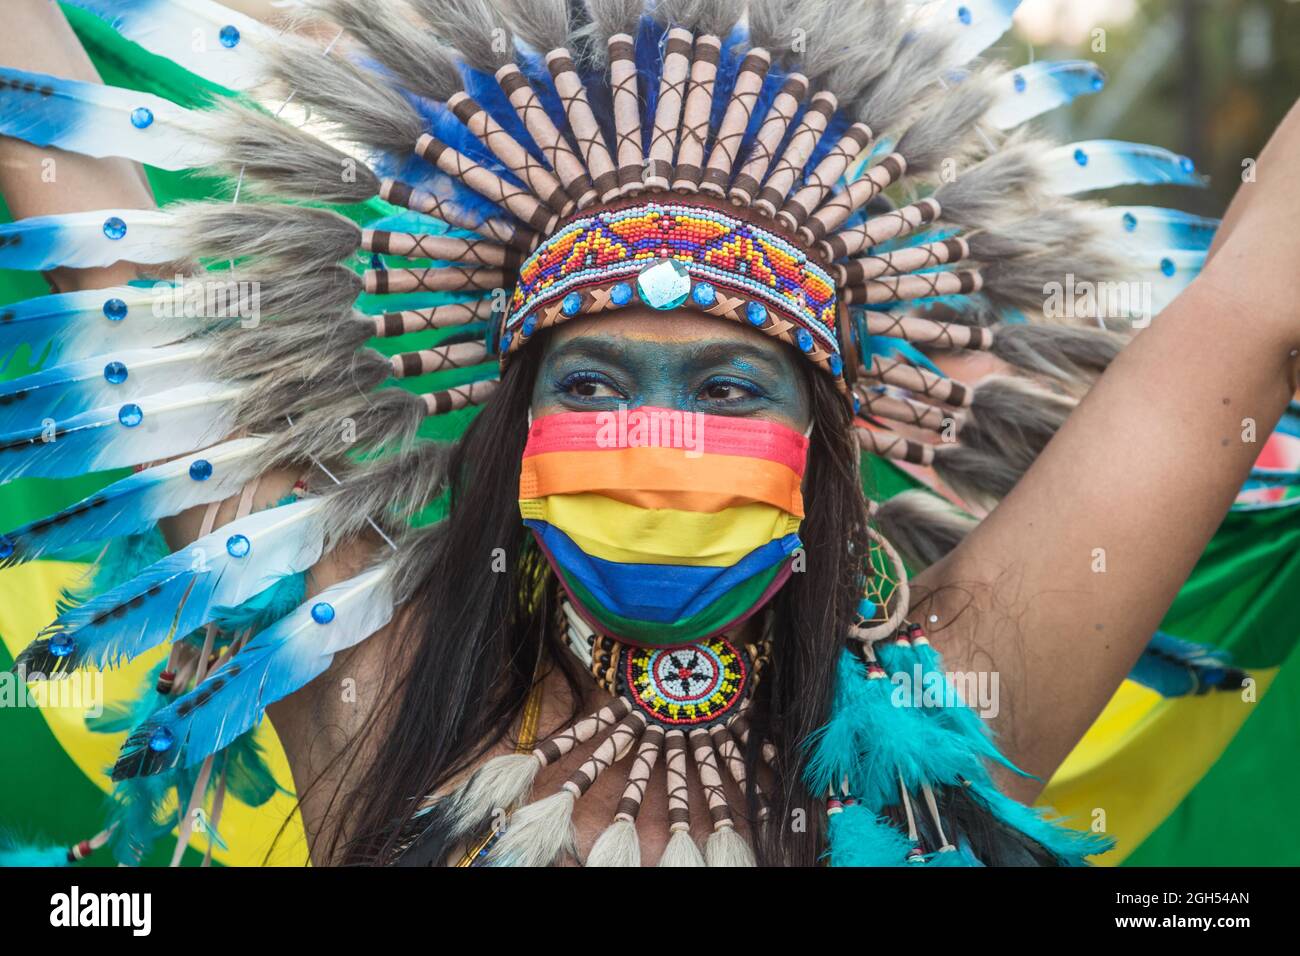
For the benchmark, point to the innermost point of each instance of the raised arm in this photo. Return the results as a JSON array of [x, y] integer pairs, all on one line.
[[1061, 587]]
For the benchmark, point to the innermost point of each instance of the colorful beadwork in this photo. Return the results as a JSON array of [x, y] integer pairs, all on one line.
[[685, 686], [721, 251]]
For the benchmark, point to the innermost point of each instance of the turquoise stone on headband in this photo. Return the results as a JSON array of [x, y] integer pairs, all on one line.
[[571, 304], [664, 285], [620, 294]]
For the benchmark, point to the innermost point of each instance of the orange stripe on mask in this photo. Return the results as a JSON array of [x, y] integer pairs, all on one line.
[[652, 478]]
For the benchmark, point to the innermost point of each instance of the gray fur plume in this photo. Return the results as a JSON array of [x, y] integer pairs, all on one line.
[[355, 101], [995, 188], [270, 157], [922, 526], [702, 17], [308, 385], [542, 24], [1010, 423], [283, 349], [1072, 355], [909, 78], [419, 63], [610, 17], [386, 419], [297, 236], [309, 292], [848, 66], [772, 24], [473, 28], [944, 130], [415, 554], [1027, 282], [389, 491]]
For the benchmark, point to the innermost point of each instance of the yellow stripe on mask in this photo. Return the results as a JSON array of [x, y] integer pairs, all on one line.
[[662, 535]]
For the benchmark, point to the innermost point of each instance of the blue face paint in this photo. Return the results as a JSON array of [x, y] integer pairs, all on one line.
[[720, 372]]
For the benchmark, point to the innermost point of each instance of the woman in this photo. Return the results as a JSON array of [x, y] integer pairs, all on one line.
[[604, 654]]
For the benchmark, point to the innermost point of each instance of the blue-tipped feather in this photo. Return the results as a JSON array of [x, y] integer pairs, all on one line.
[[1071, 847], [1103, 163], [209, 574], [272, 665], [166, 424], [100, 121], [1175, 667], [66, 390], [76, 325], [1036, 88], [134, 503], [1151, 227], [215, 42], [84, 240], [978, 24]]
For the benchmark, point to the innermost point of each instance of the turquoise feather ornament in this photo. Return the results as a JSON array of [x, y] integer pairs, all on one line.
[[857, 837], [1142, 228], [134, 503], [97, 120], [18, 853], [977, 25]]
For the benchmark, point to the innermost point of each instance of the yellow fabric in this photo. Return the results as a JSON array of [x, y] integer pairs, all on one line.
[[249, 832], [663, 535], [1142, 756]]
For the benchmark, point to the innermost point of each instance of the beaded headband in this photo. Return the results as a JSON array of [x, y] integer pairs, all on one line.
[[678, 255]]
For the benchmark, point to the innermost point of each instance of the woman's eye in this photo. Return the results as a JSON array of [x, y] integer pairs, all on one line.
[[590, 386], [721, 390]]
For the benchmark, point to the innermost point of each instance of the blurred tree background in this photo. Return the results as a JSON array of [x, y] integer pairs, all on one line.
[[1207, 78]]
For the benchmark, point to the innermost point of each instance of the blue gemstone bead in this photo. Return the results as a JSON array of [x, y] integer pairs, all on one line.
[[61, 645], [237, 546], [1098, 81], [229, 37], [322, 613], [201, 469], [6, 548], [141, 117], [804, 339], [620, 294], [114, 228], [115, 310], [857, 404], [963, 14], [1186, 165], [130, 415], [1130, 222], [115, 373], [1167, 267], [756, 313], [1018, 82], [1081, 157], [530, 323], [505, 342], [836, 364], [704, 294], [161, 740], [571, 304]]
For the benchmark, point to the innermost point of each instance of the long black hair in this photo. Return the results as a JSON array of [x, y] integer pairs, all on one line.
[[479, 622]]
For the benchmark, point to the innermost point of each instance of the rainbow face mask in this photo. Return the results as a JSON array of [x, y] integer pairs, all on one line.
[[665, 527]]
